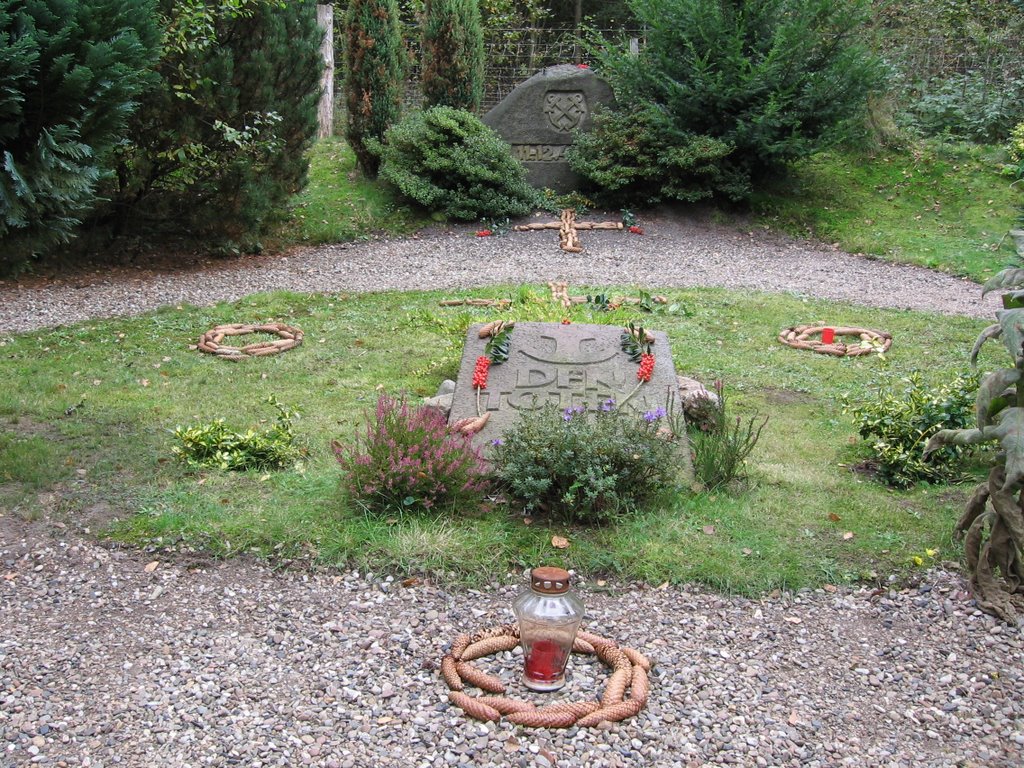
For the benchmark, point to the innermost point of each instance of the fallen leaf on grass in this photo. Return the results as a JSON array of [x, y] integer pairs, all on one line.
[[834, 517], [150, 567], [709, 530], [559, 542]]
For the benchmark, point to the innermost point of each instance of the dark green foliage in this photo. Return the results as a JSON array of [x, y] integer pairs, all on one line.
[[720, 444], [586, 468], [966, 106], [958, 65], [641, 157], [725, 93], [448, 161], [900, 423], [70, 71], [374, 76], [406, 460], [452, 69], [220, 144], [216, 446]]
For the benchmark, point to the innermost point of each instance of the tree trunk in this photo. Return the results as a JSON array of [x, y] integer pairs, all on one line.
[[325, 112]]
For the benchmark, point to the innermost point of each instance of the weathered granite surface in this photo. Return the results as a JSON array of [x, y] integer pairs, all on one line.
[[540, 117], [568, 365]]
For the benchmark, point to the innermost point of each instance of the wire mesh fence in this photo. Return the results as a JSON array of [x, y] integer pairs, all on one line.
[[512, 55], [987, 75]]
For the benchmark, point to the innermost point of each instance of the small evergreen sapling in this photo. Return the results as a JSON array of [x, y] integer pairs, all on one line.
[[374, 72], [453, 54], [448, 161]]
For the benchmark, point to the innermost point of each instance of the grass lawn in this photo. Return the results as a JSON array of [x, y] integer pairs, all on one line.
[[339, 204], [86, 414], [939, 205]]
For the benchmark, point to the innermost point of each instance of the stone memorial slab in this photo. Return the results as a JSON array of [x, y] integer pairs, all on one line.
[[568, 366], [540, 116]]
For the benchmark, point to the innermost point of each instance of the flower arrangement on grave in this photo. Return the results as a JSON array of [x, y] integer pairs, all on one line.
[[637, 343], [499, 339]]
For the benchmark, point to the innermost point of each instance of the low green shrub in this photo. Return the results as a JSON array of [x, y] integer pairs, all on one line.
[[216, 446], [583, 467], [638, 156], [451, 163], [408, 461], [900, 421], [720, 444], [966, 106]]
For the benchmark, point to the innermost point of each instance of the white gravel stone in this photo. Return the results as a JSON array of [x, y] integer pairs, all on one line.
[[231, 665], [676, 250]]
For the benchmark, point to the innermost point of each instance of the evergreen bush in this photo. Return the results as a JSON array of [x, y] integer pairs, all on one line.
[[374, 76], [219, 145], [449, 162], [452, 69], [70, 71], [744, 85]]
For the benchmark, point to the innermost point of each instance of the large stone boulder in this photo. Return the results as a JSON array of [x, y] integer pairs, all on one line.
[[540, 116]]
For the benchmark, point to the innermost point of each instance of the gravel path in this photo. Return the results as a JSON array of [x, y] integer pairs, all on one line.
[[105, 663], [676, 251]]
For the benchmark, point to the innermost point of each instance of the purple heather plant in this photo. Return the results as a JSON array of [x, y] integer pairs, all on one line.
[[406, 459]]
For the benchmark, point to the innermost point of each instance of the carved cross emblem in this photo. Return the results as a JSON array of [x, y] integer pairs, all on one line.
[[565, 110]]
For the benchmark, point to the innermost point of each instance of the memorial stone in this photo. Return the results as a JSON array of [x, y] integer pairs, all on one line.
[[568, 366], [540, 117]]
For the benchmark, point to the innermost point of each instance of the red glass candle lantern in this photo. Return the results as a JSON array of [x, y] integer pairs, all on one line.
[[549, 615]]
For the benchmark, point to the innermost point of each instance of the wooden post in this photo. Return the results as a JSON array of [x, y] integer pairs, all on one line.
[[325, 111]]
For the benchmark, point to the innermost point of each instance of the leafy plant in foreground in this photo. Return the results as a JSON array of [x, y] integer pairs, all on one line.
[[992, 523], [407, 460], [721, 444], [901, 423], [584, 467], [216, 446]]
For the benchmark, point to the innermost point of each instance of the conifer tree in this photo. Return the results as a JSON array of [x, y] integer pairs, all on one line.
[[453, 54], [374, 71], [70, 71], [221, 143]]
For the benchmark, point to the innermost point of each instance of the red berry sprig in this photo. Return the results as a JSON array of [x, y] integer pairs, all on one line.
[[483, 363], [646, 367]]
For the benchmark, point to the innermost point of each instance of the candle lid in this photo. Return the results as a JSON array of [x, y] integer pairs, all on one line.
[[549, 580]]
